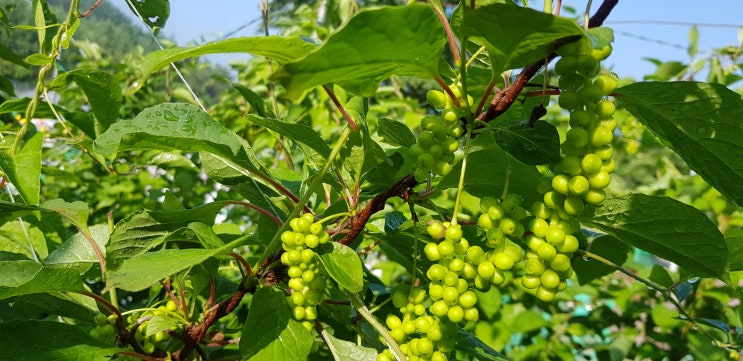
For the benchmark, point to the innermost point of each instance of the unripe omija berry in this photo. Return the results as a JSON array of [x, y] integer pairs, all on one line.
[[435, 229], [432, 252], [577, 137], [436, 98]]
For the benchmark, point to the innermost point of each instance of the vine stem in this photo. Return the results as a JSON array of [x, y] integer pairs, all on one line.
[[358, 303], [275, 242], [665, 291]]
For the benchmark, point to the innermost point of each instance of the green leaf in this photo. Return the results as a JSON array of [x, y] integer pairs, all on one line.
[[661, 276], [56, 341], [18, 238], [517, 36], [607, 247], [146, 229], [24, 169], [103, 92], [38, 59], [9, 55], [700, 122], [343, 265], [486, 174], [206, 235], [281, 49], [76, 251], [9, 210], [154, 13], [735, 247], [19, 105], [531, 145], [395, 133], [299, 133], [372, 46], [666, 228], [343, 350], [27, 277], [254, 100], [75, 212], [175, 126], [472, 345], [140, 272], [693, 41], [275, 335]]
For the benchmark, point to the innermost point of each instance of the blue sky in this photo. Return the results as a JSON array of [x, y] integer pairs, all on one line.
[[192, 21]]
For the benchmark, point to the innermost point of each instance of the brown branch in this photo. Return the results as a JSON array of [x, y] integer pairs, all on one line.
[[402, 188], [503, 99]]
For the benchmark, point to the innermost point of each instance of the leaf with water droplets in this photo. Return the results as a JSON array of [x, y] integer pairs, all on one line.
[[700, 122], [175, 127], [666, 228]]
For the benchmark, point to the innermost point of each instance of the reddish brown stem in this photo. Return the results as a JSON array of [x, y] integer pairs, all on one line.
[[104, 302], [281, 189], [403, 188], [541, 93], [449, 33], [503, 99], [259, 209], [90, 10], [243, 262], [448, 91], [351, 122]]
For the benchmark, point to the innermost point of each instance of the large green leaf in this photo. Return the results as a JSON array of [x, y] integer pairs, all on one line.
[[274, 334], [76, 251], [8, 54], [395, 133], [343, 265], [343, 350], [103, 92], [666, 228], [281, 49], [607, 247], [53, 341], [20, 238], [27, 277], [700, 121], [175, 126], [24, 169], [146, 229], [140, 272], [486, 174], [531, 145], [299, 133], [517, 36], [373, 45]]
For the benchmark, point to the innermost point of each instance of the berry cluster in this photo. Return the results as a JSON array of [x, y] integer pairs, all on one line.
[[149, 340], [420, 335], [452, 276], [582, 174], [305, 279], [105, 328], [435, 148], [500, 221]]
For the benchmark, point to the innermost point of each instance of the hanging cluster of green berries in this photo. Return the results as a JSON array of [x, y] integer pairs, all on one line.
[[105, 328], [435, 148], [306, 280], [581, 175], [421, 336], [501, 222], [149, 340]]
